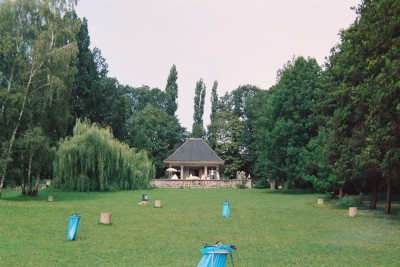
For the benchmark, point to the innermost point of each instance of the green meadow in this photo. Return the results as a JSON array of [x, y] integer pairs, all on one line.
[[270, 228]]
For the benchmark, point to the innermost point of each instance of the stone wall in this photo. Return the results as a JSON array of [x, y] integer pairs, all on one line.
[[168, 183]]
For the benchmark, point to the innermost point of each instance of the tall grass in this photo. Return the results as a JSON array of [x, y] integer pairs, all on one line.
[[269, 229]]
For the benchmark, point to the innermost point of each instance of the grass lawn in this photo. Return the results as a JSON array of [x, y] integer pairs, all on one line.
[[270, 228]]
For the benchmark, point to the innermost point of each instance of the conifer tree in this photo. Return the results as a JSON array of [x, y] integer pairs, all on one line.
[[86, 79]]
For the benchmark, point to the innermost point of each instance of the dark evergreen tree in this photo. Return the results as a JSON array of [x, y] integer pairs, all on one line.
[[84, 89], [94, 95], [112, 106]]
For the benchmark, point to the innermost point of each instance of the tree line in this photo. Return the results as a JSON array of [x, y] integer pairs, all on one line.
[[332, 128], [53, 85]]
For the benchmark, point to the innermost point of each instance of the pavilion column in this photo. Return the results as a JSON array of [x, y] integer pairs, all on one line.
[[217, 172], [205, 172], [182, 172]]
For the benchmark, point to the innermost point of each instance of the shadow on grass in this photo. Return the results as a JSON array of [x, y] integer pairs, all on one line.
[[362, 204], [290, 191], [43, 194], [336, 203]]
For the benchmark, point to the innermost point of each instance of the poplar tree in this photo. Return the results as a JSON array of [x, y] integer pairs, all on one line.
[[199, 98], [211, 135], [171, 90]]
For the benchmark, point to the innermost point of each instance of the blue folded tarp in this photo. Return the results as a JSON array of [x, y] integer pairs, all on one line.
[[73, 226], [214, 256]]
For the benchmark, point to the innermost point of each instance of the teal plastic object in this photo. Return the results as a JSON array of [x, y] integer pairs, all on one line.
[[215, 256], [226, 210], [73, 226]]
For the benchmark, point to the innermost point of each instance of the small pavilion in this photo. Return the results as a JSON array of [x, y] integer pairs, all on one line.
[[195, 160]]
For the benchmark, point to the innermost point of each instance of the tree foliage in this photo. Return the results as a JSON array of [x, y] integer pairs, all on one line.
[[93, 160], [156, 132], [140, 97], [84, 88], [211, 137], [287, 126], [227, 128], [95, 96], [198, 130], [171, 91], [227, 132], [37, 44], [361, 99], [34, 152]]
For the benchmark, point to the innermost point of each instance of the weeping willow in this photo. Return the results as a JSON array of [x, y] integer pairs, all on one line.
[[93, 160]]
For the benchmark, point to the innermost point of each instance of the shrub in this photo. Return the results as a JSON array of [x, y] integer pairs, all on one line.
[[349, 201], [261, 183]]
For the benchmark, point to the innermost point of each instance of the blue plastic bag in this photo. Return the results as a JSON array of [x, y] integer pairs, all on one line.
[[73, 226], [226, 210], [215, 256]]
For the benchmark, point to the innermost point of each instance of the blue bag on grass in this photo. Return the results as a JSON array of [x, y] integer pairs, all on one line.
[[215, 255], [226, 210], [73, 226]]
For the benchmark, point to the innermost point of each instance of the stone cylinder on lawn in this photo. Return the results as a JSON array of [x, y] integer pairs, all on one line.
[[353, 212], [157, 203], [272, 185], [320, 201], [105, 218], [50, 198]]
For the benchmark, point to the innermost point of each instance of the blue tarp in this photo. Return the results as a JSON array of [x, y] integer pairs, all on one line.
[[226, 210], [214, 256], [73, 226]]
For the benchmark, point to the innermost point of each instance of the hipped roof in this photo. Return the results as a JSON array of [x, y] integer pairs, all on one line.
[[194, 150]]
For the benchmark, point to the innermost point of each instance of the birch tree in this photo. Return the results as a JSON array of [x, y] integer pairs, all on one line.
[[36, 48]]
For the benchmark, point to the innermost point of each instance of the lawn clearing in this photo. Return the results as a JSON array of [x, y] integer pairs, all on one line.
[[269, 229]]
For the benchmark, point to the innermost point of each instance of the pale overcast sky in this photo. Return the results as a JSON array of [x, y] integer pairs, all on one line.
[[236, 42]]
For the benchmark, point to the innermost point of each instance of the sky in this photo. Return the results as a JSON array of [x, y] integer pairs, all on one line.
[[235, 42]]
